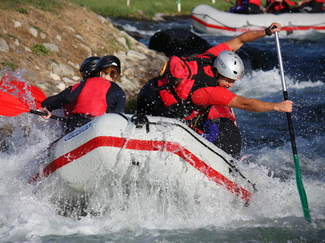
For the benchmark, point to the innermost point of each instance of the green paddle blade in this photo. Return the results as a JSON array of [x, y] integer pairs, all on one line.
[[301, 190]]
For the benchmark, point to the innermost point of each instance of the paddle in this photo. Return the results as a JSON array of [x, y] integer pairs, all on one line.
[[268, 6], [9, 84], [301, 190], [12, 106]]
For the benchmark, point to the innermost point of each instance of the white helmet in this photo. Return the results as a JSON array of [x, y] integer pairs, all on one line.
[[229, 64]]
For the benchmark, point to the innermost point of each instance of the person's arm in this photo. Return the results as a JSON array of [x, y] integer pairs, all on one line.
[[260, 106], [63, 98], [53, 102], [121, 101], [251, 35], [56, 101], [302, 2], [116, 99]]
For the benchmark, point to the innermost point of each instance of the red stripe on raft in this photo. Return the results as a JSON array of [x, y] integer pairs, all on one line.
[[288, 28], [146, 145]]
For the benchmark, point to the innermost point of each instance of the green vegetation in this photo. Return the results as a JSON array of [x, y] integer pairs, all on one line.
[[38, 28], [19, 5], [116, 8], [127, 41], [40, 50], [119, 8], [22, 10], [11, 65]]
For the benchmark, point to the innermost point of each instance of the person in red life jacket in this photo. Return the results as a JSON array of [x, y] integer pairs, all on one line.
[[195, 90], [246, 6], [93, 97], [87, 70], [310, 6], [278, 6]]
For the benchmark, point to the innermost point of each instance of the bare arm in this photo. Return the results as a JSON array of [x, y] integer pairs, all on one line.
[[249, 36], [302, 2], [260, 106]]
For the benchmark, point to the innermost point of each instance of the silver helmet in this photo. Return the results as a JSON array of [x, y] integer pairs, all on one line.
[[229, 64]]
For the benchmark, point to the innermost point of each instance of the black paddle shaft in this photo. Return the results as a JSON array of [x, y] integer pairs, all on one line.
[[290, 126], [44, 114]]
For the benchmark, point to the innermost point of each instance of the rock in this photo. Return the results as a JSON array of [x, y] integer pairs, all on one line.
[[17, 24], [30, 75], [43, 36], [3, 45], [66, 70], [33, 31], [159, 17], [61, 86], [68, 81], [51, 47], [54, 76], [136, 55]]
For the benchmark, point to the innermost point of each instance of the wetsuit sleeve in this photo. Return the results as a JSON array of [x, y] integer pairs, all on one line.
[[63, 98], [116, 99], [212, 96]]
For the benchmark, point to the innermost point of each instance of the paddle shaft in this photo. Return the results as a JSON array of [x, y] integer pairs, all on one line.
[[301, 190], [52, 116]]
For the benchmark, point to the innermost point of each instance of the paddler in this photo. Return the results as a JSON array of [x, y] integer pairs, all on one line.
[[96, 95], [196, 90]]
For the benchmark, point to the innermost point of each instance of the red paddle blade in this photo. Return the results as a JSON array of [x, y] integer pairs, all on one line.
[[27, 93], [38, 95], [10, 105]]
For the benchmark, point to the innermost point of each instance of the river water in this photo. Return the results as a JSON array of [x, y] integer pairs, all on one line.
[[275, 213]]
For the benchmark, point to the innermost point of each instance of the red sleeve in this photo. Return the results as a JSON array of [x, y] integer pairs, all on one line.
[[290, 2], [217, 49], [212, 96], [214, 51]]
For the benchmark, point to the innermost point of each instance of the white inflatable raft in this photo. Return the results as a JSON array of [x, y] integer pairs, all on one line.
[[212, 21], [112, 144]]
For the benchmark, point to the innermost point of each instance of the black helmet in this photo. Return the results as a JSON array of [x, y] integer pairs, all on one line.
[[88, 67], [107, 61]]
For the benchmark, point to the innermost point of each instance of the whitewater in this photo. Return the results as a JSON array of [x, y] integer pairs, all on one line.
[[27, 213]]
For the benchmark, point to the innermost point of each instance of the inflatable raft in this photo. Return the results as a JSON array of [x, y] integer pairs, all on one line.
[[113, 144], [212, 21]]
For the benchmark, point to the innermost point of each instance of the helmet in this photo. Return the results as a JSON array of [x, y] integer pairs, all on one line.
[[229, 64], [107, 61], [87, 67]]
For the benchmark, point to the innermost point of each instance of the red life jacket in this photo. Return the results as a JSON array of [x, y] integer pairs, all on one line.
[[92, 98], [182, 77], [257, 2]]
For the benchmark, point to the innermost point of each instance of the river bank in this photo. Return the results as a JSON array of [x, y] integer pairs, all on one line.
[[68, 36]]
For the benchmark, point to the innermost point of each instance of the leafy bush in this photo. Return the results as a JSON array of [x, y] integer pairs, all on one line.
[[11, 65], [22, 10], [40, 50]]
